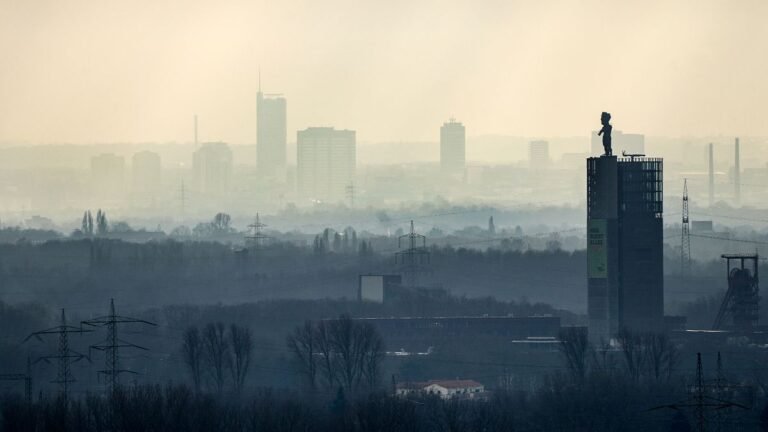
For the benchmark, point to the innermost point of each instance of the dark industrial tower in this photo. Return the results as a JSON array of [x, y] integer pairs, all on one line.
[[625, 267], [742, 299]]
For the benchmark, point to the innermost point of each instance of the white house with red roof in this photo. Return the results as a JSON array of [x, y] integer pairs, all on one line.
[[446, 389]]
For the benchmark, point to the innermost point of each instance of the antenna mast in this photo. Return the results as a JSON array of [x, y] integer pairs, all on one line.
[[685, 242]]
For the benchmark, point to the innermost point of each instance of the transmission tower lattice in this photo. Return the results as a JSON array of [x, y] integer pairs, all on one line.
[[257, 236], [112, 345], [64, 356], [414, 257], [700, 402], [685, 242]]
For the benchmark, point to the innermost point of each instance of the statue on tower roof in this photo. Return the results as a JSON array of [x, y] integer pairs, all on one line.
[[605, 119]]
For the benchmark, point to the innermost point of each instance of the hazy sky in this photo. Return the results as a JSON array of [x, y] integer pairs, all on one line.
[[89, 71]]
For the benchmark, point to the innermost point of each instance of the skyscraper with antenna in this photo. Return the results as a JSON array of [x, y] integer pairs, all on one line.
[[271, 135]]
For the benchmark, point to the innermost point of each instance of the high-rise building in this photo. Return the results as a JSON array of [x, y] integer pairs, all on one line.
[[711, 174], [625, 267], [631, 144], [326, 163], [108, 175], [452, 148], [538, 154], [212, 169], [737, 173], [271, 135]]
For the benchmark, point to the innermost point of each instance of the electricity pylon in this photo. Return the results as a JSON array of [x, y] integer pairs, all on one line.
[[112, 345], [64, 355]]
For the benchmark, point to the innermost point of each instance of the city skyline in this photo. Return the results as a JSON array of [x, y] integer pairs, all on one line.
[[531, 72]]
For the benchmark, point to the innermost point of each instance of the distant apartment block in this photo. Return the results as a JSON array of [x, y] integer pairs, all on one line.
[[212, 169], [326, 163], [271, 136], [452, 148], [538, 154]]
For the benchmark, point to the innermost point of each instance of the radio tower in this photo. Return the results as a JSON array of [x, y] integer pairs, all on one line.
[[685, 244], [64, 355], [414, 257], [257, 236], [112, 345]]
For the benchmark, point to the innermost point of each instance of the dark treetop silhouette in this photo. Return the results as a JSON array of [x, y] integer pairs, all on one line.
[[605, 118]]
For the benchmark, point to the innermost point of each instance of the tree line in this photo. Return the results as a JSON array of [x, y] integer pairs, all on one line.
[[217, 354], [340, 353]]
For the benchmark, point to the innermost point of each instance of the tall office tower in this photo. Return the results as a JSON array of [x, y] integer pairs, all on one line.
[[146, 170], [108, 176], [326, 163], [452, 148], [538, 154], [271, 135], [625, 267], [212, 169], [711, 174], [629, 143], [737, 173]]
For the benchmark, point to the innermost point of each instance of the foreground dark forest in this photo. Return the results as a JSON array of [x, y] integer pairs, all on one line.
[[601, 402], [251, 306]]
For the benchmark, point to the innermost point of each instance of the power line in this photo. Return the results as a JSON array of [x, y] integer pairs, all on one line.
[[700, 402], [112, 344], [730, 239], [412, 258], [257, 236], [64, 356]]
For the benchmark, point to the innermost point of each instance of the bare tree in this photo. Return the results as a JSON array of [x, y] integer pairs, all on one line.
[[371, 356], [634, 352], [221, 222], [241, 341], [216, 351], [302, 344], [192, 350], [325, 349], [574, 346], [345, 352], [661, 355]]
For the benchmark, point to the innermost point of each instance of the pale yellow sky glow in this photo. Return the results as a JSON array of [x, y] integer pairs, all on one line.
[[129, 71]]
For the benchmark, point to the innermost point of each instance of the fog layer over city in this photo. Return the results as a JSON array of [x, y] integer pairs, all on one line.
[[351, 216]]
